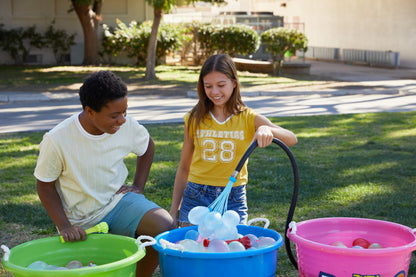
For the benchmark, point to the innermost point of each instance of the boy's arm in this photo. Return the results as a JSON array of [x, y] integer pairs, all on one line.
[[52, 202], [143, 165]]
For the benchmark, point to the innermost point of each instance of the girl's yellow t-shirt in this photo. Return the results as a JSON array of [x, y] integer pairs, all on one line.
[[219, 146]]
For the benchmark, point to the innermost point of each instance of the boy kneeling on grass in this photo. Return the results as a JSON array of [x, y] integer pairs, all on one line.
[[81, 174]]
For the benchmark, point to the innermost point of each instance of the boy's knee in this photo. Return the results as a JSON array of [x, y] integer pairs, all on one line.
[[154, 222]]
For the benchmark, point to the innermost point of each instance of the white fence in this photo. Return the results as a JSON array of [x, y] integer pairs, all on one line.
[[371, 57]]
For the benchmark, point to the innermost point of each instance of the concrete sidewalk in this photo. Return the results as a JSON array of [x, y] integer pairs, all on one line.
[[345, 89], [339, 79]]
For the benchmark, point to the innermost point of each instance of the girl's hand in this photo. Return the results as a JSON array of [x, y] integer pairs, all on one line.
[[175, 216], [264, 136]]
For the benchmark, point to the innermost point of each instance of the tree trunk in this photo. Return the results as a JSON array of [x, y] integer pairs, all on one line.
[[89, 16], [151, 48], [278, 63]]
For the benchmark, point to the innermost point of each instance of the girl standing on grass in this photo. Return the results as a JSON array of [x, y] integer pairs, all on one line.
[[218, 130]]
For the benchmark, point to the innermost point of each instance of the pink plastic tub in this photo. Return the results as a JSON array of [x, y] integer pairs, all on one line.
[[316, 256]]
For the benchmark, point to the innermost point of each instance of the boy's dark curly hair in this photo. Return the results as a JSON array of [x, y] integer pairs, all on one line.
[[100, 88]]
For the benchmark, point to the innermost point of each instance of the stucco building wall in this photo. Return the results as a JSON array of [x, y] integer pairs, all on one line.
[[382, 25], [24, 13]]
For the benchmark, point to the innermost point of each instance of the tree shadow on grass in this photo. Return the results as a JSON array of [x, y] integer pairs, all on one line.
[[33, 216], [345, 169]]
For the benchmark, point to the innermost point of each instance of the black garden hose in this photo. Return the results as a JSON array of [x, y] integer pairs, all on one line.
[[295, 189], [294, 199]]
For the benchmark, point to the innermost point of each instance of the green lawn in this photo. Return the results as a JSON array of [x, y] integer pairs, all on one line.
[[360, 165]]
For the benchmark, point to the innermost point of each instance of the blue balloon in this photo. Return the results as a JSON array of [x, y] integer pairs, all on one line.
[[192, 234]]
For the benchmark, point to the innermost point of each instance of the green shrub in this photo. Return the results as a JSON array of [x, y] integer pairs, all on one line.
[[280, 40], [19, 41], [60, 42], [134, 38], [206, 39], [236, 39], [233, 40], [190, 43]]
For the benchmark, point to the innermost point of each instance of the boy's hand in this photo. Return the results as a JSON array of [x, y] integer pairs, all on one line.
[[73, 233], [125, 188]]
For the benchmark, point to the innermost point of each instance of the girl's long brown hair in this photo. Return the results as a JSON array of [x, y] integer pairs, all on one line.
[[235, 105]]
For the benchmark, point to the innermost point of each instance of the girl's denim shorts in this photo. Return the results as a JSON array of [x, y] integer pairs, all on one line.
[[203, 195]]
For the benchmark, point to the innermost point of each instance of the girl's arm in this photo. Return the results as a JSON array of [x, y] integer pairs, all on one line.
[[266, 131], [182, 173]]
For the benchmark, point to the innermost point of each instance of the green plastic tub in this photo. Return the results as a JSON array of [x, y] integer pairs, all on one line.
[[114, 255]]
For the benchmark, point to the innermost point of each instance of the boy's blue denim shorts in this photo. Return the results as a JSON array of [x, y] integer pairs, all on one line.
[[126, 215], [203, 195]]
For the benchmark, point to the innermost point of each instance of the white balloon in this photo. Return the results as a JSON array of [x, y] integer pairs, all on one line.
[[196, 214], [190, 245], [265, 241], [236, 246], [231, 218], [217, 246], [212, 220], [38, 265], [205, 231], [226, 232]]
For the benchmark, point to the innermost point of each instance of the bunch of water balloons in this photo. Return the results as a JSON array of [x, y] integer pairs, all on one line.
[[359, 243], [216, 233], [40, 265]]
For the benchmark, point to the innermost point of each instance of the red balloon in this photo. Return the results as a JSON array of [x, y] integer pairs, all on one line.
[[361, 242]]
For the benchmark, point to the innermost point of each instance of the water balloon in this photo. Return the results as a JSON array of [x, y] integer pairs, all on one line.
[[212, 219], [375, 246], [190, 245], [38, 265], [196, 214], [253, 240], [231, 218], [205, 231], [52, 267], [73, 264], [339, 244], [361, 242], [192, 234], [226, 232], [217, 246], [265, 241], [236, 246]]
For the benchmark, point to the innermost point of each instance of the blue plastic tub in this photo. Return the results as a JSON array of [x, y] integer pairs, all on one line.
[[260, 263]]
